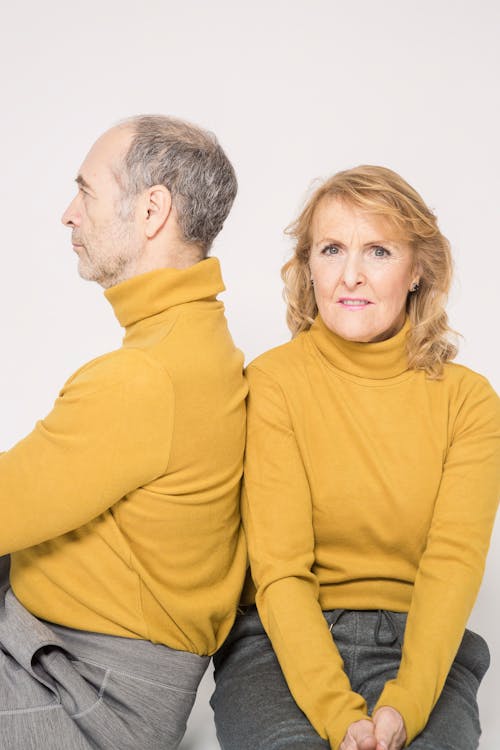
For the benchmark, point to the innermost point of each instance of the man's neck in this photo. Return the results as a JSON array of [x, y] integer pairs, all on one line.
[[180, 255]]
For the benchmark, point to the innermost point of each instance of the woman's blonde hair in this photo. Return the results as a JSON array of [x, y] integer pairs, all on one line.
[[383, 192]]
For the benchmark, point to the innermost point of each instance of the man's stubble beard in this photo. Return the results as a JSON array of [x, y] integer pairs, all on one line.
[[110, 256]]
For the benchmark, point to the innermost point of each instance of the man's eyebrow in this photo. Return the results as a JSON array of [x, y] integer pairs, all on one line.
[[82, 182]]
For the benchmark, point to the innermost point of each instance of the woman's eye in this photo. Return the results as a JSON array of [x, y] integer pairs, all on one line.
[[380, 252], [330, 250]]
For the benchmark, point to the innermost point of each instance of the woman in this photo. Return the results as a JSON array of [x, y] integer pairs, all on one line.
[[371, 485]]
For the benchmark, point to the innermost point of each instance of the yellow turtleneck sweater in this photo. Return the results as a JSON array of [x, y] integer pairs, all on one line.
[[367, 486], [121, 508]]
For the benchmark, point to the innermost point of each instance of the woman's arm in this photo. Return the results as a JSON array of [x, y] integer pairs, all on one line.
[[452, 565], [277, 514]]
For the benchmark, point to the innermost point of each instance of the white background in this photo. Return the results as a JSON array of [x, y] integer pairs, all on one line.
[[295, 90]]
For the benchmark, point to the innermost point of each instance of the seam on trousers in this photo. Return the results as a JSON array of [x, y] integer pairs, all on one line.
[[99, 698], [30, 710], [134, 677], [356, 645]]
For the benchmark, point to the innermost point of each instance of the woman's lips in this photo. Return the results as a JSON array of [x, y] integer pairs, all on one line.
[[354, 303]]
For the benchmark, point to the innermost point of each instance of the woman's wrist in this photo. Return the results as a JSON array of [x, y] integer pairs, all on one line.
[[389, 728]]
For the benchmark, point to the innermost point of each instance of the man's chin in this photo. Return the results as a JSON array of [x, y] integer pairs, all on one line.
[[86, 272]]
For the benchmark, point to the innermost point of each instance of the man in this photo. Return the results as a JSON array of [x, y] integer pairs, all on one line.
[[120, 510]]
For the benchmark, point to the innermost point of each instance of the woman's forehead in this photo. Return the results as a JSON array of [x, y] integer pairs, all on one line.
[[334, 214]]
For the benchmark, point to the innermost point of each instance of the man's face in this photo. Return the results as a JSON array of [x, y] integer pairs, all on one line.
[[107, 244]]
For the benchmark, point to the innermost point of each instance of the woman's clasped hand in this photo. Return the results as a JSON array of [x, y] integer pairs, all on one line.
[[385, 732]]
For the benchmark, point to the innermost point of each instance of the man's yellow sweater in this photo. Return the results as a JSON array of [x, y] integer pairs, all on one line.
[[121, 508], [367, 486]]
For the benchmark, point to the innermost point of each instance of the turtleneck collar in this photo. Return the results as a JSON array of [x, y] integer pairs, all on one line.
[[374, 361], [151, 293]]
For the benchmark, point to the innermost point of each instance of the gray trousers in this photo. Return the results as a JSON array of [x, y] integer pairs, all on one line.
[[254, 710], [64, 689]]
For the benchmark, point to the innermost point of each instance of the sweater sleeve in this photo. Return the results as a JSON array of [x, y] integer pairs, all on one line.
[[452, 565], [108, 433], [277, 515]]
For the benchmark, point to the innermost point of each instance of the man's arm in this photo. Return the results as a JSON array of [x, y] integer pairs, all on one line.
[[108, 433]]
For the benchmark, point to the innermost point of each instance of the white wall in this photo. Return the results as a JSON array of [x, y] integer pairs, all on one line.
[[295, 90]]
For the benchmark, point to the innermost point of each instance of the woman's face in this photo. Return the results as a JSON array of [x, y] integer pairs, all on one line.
[[361, 271]]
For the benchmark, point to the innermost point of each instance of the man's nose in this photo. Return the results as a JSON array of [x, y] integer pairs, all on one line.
[[71, 217]]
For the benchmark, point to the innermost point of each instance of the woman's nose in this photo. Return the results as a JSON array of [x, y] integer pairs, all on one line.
[[353, 271]]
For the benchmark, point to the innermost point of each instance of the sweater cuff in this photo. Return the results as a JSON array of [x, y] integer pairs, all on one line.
[[336, 728], [413, 716]]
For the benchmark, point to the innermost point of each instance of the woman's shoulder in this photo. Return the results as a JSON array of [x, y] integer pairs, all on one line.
[[456, 373], [281, 360], [468, 388]]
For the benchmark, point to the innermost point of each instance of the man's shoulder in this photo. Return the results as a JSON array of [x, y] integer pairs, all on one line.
[[127, 367]]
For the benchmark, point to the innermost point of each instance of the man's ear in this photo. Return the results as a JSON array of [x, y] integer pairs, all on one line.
[[158, 208]]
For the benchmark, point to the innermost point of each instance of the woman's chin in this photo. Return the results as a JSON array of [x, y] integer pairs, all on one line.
[[355, 330]]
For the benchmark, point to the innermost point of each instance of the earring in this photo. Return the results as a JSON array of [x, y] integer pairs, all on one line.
[[415, 287], [312, 281]]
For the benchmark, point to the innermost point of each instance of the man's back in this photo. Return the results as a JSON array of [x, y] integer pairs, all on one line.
[[120, 511], [165, 561]]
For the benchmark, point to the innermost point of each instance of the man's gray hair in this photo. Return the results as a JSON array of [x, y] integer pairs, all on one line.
[[190, 162]]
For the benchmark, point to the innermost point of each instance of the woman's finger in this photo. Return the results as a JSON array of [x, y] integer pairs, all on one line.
[[389, 729], [360, 736]]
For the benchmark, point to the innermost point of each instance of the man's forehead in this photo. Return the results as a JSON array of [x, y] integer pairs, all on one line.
[[105, 155]]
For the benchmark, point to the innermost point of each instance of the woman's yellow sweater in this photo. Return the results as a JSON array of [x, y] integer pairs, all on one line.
[[367, 486], [121, 508]]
